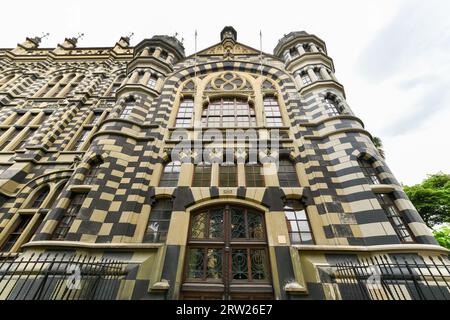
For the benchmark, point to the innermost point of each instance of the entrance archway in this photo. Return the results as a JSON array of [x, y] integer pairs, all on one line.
[[227, 255]]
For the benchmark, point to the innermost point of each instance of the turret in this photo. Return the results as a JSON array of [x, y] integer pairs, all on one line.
[[305, 56]]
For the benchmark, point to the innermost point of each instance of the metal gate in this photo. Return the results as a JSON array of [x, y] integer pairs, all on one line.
[[60, 276], [393, 278]]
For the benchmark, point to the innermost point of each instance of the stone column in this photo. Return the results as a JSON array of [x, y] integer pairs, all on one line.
[[157, 52], [241, 174], [313, 47], [145, 78], [312, 75], [145, 52], [300, 48], [324, 72], [134, 77], [215, 175], [286, 56]]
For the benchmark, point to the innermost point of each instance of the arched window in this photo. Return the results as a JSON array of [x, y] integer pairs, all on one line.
[[127, 110], [93, 172], [158, 224], [369, 171], [185, 113], [293, 52], [331, 107], [39, 198], [227, 245], [272, 112], [152, 81], [306, 79], [56, 195], [287, 175], [202, 175], [229, 113], [4, 81], [298, 223], [170, 174]]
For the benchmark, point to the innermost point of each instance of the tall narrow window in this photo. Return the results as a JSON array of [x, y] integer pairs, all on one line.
[[171, 174], [152, 81], [287, 175], [395, 218], [272, 112], [92, 173], [163, 55], [116, 85], [158, 224], [369, 171], [202, 175], [81, 140], [39, 197], [228, 175], [297, 222], [228, 113], [253, 176], [331, 107], [293, 52], [306, 79], [185, 113], [126, 112], [12, 238], [69, 216]]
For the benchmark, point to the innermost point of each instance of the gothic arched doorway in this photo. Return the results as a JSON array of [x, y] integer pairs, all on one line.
[[227, 255]]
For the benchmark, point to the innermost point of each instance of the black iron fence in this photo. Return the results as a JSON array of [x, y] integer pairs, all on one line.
[[60, 276], [385, 277]]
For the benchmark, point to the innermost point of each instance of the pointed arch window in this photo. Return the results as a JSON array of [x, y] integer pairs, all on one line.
[[396, 219], [40, 197], [272, 112], [287, 174], [158, 224], [170, 174], [306, 79], [8, 244], [369, 171], [128, 109], [229, 113], [298, 223], [185, 113]]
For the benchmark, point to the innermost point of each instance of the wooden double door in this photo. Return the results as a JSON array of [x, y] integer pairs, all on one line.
[[227, 255]]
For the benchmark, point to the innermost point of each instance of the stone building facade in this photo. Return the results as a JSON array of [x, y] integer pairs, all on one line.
[[89, 166]]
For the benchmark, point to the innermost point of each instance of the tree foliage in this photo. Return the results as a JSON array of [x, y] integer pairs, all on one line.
[[442, 235], [379, 145], [432, 199]]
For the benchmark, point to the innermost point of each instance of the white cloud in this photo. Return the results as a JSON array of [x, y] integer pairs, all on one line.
[[391, 55]]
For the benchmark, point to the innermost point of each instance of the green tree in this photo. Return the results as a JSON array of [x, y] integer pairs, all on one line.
[[379, 145], [432, 199], [442, 235]]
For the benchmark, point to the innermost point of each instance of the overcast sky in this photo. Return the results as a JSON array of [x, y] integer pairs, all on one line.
[[392, 56]]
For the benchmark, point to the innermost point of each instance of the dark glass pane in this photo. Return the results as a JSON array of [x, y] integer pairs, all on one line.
[[214, 266], [239, 264], [196, 263], [216, 224], [198, 230], [258, 264], [237, 224], [255, 226]]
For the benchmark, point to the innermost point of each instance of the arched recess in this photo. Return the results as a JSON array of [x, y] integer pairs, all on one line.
[[227, 252], [251, 72]]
